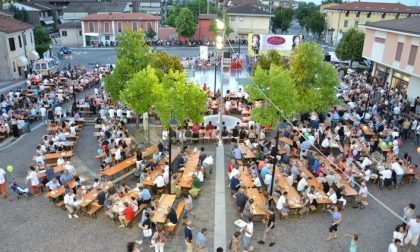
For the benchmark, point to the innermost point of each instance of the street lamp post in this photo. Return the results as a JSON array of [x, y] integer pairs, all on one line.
[[172, 123], [274, 162], [220, 46]]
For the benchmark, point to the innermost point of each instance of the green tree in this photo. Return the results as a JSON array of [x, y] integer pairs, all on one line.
[[213, 27], [133, 55], [303, 11], [179, 98], [265, 61], [172, 15], [316, 23], [350, 46], [186, 23], [315, 80], [277, 84], [150, 34], [162, 62], [19, 14], [282, 18], [42, 39], [138, 94], [332, 1]]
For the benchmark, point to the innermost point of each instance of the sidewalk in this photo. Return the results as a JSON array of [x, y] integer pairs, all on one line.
[[5, 86]]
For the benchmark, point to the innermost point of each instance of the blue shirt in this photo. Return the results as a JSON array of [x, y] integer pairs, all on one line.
[[237, 154], [145, 194], [264, 171], [306, 144], [335, 116], [65, 179], [50, 173], [201, 240], [234, 182]]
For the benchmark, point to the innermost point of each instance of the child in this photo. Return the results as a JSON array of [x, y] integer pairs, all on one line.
[[353, 243]]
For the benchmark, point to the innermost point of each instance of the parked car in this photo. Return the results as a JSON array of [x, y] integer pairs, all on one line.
[[65, 50]]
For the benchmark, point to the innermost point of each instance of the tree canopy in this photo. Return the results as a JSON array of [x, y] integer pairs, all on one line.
[[350, 46], [150, 34], [265, 61], [42, 40], [282, 18], [315, 80], [304, 11], [316, 23], [19, 14], [186, 23], [162, 62]]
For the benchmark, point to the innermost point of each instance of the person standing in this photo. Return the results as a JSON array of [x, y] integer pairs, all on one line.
[[413, 232], [33, 177], [236, 242], [3, 186], [248, 231], [336, 219], [269, 228], [159, 239], [201, 241], [393, 247], [188, 236], [353, 242]]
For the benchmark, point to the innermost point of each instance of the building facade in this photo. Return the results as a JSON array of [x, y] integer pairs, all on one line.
[[341, 17], [76, 10], [17, 48], [104, 28], [248, 18], [393, 47], [42, 13], [71, 34]]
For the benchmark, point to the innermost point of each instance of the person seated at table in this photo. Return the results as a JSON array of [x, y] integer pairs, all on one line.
[[310, 192], [282, 205], [362, 195], [241, 199], [242, 134], [124, 188], [133, 203], [72, 204], [256, 181], [196, 186], [249, 209], [126, 215], [236, 152], [171, 218], [159, 182], [302, 183], [234, 184], [210, 126], [53, 184], [65, 177], [144, 196], [386, 176]]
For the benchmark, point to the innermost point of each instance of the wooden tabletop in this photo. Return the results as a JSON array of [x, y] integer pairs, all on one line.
[[57, 169], [89, 197], [166, 200], [60, 191], [245, 177], [120, 166], [246, 152], [293, 198], [186, 179], [259, 200], [56, 155]]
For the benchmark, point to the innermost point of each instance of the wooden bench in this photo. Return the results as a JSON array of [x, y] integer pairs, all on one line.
[[171, 229], [283, 214], [363, 203], [93, 211], [312, 208], [60, 204], [116, 181]]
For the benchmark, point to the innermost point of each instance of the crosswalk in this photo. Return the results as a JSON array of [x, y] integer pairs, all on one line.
[[78, 52]]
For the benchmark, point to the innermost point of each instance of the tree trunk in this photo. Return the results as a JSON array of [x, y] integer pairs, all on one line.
[[351, 63]]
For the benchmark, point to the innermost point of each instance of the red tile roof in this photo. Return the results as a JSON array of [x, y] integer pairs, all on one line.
[[121, 17], [9, 24], [375, 7]]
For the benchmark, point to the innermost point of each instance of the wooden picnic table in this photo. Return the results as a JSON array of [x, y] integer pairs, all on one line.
[[259, 201], [54, 194], [89, 198], [348, 190], [246, 152], [186, 179], [165, 201], [293, 197], [245, 177], [286, 140], [56, 155]]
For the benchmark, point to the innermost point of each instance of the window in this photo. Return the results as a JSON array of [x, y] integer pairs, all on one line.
[[14, 66], [232, 18], [135, 26], [241, 18], [91, 27], [12, 44], [399, 51], [368, 15], [380, 40], [383, 15], [107, 37], [358, 14], [20, 41], [346, 23], [347, 13], [119, 26], [149, 26], [356, 24], [80, 32], [64, 33], [412, 57], [107, 27], [24, 39], [397, 16], [31, 37]]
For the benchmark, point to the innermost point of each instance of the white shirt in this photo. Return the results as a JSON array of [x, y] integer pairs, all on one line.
[[69, 199], [281, 202], [333, 198], [302, 183], [250, 228], [52, 186], [267, 179], [367, 175], [257, 182], [392, 248], [397, 168], [363, 192], [233, 173], [366, 162], [387, 174], [414, 227], [43, 111], [34, 178], [159, 181], [2, 178], [398, 235], [325, 143], [119, 112], [111, 113]]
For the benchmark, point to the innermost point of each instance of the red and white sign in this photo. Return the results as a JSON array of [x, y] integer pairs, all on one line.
[[277, 42]]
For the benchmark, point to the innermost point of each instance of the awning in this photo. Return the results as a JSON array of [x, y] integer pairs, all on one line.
[[62, 21], [22, 61], [246, 31], [33, 55], [48, 22]]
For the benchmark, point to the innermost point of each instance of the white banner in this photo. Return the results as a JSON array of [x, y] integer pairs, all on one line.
[[277, 42], [204, 52]]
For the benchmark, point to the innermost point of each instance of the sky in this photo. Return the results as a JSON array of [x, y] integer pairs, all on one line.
[[405, 2]]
